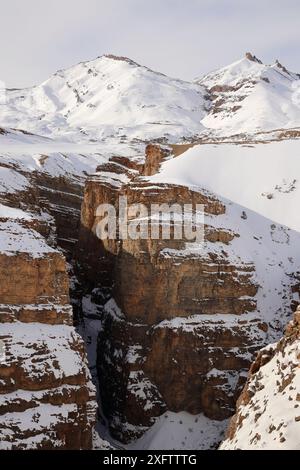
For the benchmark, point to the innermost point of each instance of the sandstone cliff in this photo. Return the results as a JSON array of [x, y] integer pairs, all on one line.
[[47, 399], [179, 322]]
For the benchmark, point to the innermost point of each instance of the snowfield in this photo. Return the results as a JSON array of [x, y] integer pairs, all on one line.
[[264, 178]]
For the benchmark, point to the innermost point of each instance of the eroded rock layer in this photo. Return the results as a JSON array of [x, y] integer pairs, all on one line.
[[179, 321], [47, 399]]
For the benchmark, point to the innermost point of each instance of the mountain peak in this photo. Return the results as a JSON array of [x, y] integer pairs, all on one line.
[[121, 59], [282, 67], [252, 57]]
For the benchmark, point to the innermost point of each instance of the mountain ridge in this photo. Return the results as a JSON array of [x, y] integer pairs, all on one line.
[[114, 96]]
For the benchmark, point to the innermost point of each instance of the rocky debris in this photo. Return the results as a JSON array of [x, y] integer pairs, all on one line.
[[268, 410]]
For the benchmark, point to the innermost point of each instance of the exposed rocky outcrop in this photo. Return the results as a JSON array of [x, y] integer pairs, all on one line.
[[47, 399], [63, 197], [155, 155], [178, 325], [252, 57], [268, 410]]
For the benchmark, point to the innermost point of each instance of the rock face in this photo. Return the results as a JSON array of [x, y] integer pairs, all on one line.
[[46, 397], [63, 197], [178, 321], [268, 410]]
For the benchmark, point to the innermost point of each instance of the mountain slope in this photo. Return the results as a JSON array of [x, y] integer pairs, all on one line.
[[248, 96], [109, 95], [259, 187], [116, 97], [268, 411]]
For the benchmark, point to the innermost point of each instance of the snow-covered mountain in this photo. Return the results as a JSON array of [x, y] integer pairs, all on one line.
[[115, 97], [248, 96], [109, 95]]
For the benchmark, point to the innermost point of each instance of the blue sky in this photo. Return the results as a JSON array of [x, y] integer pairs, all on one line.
[[182, 38]]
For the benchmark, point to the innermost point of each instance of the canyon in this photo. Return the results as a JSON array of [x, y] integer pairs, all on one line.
[[148, 341]]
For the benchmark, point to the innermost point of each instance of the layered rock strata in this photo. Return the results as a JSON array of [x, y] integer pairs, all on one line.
[[47, 400], [178, 319]]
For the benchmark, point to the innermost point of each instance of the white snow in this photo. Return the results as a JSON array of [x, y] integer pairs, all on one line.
[[244, 175], [12, 181], [54, 343], [181, 431], [271, 419], [12, 213], [114, 97], [266, 97], [106, 96], [15, 238]]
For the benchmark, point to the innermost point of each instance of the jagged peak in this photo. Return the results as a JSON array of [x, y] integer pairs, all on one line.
[[282, 67], [121, 59], [252, 58]]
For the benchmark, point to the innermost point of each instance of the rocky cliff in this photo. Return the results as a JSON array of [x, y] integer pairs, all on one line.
[[47, 399], [179, 320], [268, 410]]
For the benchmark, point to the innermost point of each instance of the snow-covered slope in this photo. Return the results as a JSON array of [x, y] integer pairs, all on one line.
[[116, 97], [260, 177], [111, 106], [109, 95], [248, 96], [268, 411], [260, 189], [181, 431]]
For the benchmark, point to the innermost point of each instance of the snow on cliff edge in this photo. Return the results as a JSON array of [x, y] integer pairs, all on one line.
[[268, 410]]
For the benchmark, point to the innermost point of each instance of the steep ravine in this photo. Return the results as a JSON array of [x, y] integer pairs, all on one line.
[[170, 328]]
